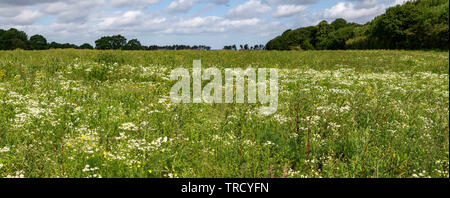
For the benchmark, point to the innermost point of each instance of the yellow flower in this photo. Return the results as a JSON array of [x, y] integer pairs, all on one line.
[[150, 171], [139, 166]]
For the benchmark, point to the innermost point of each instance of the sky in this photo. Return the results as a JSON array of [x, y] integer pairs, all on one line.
[[215, 23]]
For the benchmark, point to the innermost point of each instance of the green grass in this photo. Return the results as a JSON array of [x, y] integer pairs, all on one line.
[[75, 113]]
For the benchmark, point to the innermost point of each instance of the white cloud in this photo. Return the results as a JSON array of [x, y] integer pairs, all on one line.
[[288, 10], [132, 3], [131, 21], [250, 9], [126, 19], [366, 3], [24, 2], [78, 11], [181, 5], [350, 11], [27, 17], [292, 2]]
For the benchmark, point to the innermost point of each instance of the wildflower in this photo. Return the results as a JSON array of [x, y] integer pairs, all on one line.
[[128, 127]]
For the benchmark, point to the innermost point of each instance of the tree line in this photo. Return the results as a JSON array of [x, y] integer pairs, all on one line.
[[245, 47], [420, 24], [15, 39]]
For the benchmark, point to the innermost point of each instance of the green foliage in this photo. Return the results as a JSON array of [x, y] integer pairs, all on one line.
[[338, 24], [360, 42], [420, 24], [322, 35], [133, 44], [55, 45], [307, 45], [38, 42], [294, 38], [391, 27], [337, 39], [111, 42], [13, 39], [86, 46]]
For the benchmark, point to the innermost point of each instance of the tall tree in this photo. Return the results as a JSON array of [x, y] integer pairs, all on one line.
[[118, 41], [323, 29], [133, 44], [338, 23], [110, 42], [13, 39], [38, 42]]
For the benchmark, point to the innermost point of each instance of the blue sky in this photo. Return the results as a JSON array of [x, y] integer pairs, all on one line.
[[165, 22]]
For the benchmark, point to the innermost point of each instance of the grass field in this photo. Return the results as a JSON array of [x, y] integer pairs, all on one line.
[[75, 113]]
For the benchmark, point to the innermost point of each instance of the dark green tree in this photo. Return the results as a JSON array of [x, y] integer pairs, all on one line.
[[321, 37], [38, 42], [133, 44], [338, 23], [103, 43], [118, 41], [307, 46], [86, 46], [338, 38], [110, 42], [391, 27], [13, 39]]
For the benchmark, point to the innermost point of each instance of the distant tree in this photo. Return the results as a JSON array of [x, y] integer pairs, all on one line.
[[418, 24], [110, 42], [152, 47], [391, 27], [16, 43], [13, 39], [86, 46], [69, 46], [338, 23], [230, 47], [133, 44], [55, 45], [179, 47], [103, 43], [38, 42], [322, 40], [338, 38], [307, 46], [413, 25], [118, 41]]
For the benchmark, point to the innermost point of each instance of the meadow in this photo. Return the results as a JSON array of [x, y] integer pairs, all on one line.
[[351, 114]]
